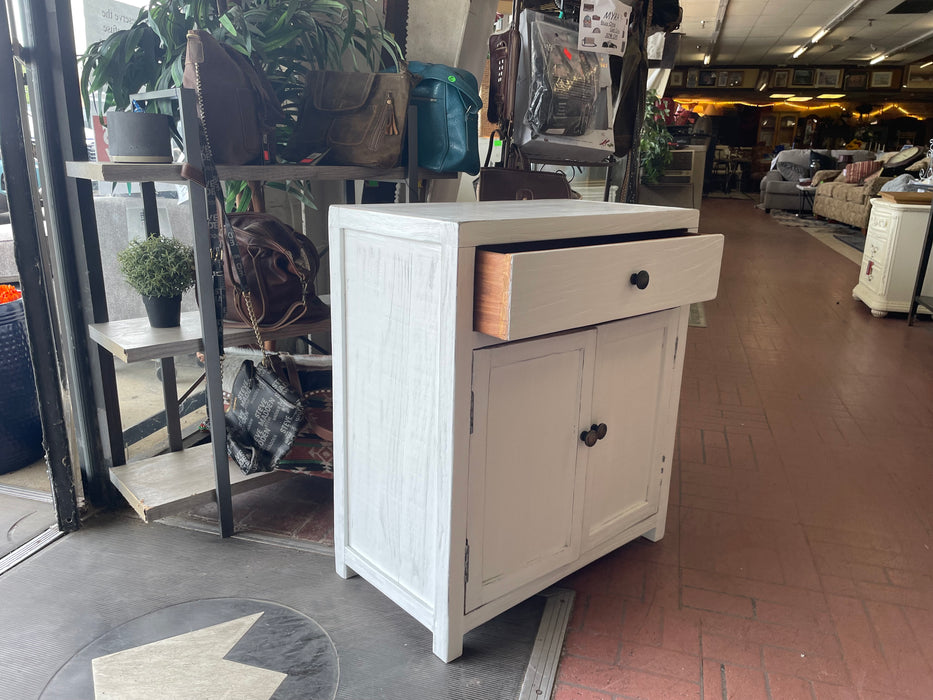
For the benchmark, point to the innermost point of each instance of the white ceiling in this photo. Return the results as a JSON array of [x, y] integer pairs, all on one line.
[[767, 32]]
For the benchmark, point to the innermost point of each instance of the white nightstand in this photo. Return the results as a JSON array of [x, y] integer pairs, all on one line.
[[892, 252]]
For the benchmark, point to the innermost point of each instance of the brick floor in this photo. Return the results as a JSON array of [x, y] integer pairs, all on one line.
[[798, 559]]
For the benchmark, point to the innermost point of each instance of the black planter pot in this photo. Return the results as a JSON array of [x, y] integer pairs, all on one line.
[[138, 137], [163, 312]]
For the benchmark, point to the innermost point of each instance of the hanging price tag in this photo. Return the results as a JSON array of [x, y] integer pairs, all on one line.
[[604, 26]]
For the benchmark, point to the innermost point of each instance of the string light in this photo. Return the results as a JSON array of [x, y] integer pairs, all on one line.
[[689, 104]]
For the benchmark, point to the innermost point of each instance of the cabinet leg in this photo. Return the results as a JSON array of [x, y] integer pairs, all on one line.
[[343, 571], [878, 314], [448, 647]]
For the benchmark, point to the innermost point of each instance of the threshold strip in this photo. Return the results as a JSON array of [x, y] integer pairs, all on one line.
[[542, 666], [31, 494], [20, 554]]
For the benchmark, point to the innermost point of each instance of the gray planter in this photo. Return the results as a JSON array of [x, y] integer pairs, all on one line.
[[139, 137]]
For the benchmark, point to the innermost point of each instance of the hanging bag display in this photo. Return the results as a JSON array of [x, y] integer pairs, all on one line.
[[448, 102], [351, 118]]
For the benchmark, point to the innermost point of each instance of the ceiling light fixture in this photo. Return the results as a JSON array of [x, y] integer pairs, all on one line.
[[831, 96], [714, 40], [799, 99], [928, 63], [830, 25], [903, 47], [781, 95]]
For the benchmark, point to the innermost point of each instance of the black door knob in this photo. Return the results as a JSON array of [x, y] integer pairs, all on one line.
[[601, 430], [640, 279], [589, 437]]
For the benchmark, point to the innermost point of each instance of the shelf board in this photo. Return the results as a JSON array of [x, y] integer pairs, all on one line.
[[133, 339], [177, 481], [171, 172]]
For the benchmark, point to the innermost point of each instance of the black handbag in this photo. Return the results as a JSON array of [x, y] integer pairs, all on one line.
[[263, 418]]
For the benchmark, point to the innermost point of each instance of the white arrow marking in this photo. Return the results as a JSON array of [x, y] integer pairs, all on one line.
[[190, 665]]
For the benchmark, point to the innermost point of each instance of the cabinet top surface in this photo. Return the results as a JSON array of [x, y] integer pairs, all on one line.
[[878, 202], [479, 223]]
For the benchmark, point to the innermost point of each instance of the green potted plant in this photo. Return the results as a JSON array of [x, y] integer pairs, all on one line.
[[654, 146], [161, 269], [283, 38]]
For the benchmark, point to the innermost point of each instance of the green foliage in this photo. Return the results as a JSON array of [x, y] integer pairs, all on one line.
[[654, 148], [283, 38], [158, 266]]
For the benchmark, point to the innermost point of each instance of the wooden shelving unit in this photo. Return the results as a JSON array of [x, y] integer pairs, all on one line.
[[168, 483]]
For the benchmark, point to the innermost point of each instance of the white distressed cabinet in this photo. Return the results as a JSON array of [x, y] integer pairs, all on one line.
[[506, 382], [893, 245]]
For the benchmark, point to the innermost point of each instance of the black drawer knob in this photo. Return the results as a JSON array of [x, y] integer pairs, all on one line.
[[640, 279], [596, 432]]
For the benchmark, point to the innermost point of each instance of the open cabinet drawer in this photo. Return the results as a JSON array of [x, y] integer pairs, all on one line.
[[521, 292]]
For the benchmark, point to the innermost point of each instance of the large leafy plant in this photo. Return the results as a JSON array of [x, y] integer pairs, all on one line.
[[654, 146], [283, 38]]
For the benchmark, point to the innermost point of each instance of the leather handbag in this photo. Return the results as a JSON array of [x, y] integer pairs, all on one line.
[[262, 419], [351, 118], [501, 184], [279, 265], [239, 105], [448, 102]]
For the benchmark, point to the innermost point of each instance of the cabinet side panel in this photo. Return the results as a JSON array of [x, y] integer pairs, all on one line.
[[395, 440]]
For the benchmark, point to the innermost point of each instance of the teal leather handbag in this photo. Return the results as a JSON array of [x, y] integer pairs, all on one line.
[[448, 102]]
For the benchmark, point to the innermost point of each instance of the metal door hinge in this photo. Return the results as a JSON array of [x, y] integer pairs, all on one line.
[[471, 412], [466, 563]]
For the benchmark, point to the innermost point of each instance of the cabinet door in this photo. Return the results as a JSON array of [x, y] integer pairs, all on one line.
[[634, 369], [525, 481]]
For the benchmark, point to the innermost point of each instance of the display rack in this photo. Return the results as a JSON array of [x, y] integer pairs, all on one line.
[[918, 299], [161, 485]]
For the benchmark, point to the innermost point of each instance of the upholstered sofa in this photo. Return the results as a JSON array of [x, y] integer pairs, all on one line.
[[779, 185], [849, 202]]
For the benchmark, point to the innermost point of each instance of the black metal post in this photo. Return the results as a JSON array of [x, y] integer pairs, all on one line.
[[26, 236]]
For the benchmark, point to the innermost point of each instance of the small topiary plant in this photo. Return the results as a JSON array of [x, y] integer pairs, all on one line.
[[158, 266]]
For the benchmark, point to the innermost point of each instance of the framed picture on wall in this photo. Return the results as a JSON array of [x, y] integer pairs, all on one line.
[[780, 78], [707, 78], [692, 77], [677, 78], [736, 78], [919, 77], [763, 78], [723, 80], [828, 77], [882, 79], [802, 77], [856, 81]]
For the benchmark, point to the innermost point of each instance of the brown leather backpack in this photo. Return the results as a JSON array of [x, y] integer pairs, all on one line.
[[240, 106]]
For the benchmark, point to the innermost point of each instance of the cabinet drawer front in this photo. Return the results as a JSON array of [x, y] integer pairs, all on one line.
[[524, 294], [881, 223], [876, 248], [872, 275]]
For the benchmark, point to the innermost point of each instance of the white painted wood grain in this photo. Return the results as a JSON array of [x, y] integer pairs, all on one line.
[[553, 290], [530, 402], [623, 475], [485, 223]]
